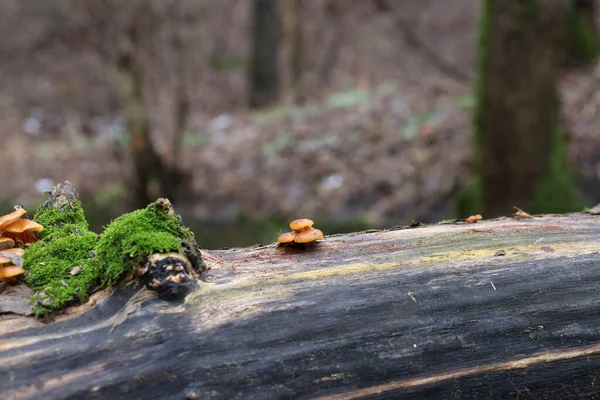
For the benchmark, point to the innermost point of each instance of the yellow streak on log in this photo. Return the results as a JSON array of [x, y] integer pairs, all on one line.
[[512, 252]]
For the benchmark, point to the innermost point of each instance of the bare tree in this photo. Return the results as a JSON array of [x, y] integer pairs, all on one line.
[[136, 41], [518, 130], [293, 23], [147, 164], [266, 38], [334, 13]]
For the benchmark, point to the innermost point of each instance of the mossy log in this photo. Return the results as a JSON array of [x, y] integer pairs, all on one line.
[[503, 308]]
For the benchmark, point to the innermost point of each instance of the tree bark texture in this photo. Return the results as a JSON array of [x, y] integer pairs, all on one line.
[[264, 65], [519, 138], [499, 309]]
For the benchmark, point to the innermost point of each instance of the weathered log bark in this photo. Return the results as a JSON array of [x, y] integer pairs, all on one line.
[[498, 309]]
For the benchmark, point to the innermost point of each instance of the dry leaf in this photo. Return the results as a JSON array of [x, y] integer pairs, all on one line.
[[521, 214]]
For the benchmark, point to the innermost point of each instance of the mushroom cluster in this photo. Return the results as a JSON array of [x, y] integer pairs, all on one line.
[[302, 233], [16, 232]]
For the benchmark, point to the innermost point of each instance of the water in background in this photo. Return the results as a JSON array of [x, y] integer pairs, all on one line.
[[219, 234]]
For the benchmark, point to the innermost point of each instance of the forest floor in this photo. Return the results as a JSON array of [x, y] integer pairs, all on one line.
[[382, 156]]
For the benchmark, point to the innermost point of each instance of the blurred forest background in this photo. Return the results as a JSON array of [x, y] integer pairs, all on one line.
[[249, 113]]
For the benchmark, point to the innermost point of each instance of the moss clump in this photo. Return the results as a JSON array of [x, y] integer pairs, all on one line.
[[69, 261], [134, 236], [54, 220], [60, 271], [59, 266]]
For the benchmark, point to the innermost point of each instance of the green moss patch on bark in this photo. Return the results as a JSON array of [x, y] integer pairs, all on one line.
[[54, 219], [134, 236], [59, 266], [70, 261]]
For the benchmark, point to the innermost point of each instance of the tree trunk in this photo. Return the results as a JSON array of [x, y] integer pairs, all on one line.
[[584, 33], [518, 130], [498, 309], [333, 39], [152, 176], [295, 36], [266, 38], [144, 157]]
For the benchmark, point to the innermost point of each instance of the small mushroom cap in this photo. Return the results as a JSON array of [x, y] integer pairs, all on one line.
[[6, 243], [15, 255], [473, 219], [9, 218], [287, 237], [24, 225], [16, 251], [308, 236], [10, 271], [301, 223], [4, 260]]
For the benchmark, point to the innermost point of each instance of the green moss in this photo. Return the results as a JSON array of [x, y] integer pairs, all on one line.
[[69, 260], [60, 270], [53, 220], [131, 237], [58, 267]]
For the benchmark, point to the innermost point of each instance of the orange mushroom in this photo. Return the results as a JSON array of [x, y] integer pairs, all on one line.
[[473, 219], [303, 233], [8, 268], [14, 255], [309, 236], [302, 223], [16, 231], [23, 225], [6, 243], [6, 220], [23, 231], [15, 251], [8, 272], [287, 237]]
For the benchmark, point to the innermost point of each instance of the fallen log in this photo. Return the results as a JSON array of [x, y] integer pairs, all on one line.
[[498, 309]]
